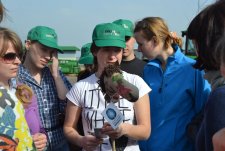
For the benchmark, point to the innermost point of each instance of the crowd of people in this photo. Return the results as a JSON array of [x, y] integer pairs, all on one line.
[[170, 102]]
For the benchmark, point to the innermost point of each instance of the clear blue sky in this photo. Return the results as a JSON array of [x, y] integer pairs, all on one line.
[[74, 20]]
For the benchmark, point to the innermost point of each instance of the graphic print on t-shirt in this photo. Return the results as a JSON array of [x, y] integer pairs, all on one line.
[[94, 105]]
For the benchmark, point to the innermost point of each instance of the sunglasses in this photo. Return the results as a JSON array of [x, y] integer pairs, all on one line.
[[9, 57]]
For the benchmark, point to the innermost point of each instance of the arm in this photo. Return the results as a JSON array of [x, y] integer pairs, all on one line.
[[60, 85], [219, 140], [202, 91], [214, 115], [88, 142], [140, 131]]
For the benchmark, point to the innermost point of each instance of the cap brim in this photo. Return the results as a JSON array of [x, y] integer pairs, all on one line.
[[86, 60], [50, 44], [129, 34], [110, 43]]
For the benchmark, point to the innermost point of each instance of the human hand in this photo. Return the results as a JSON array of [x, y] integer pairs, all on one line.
[[219, 140], [112, 133], [90, 142], [40, 141], [54, 66]]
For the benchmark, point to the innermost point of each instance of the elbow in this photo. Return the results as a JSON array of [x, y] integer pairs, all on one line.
[[147, 134], [65, 130]]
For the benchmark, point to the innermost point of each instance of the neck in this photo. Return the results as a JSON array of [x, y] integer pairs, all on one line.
[[164, 56], [5, 84], [98, 74], [129, 58], [35, 72], [32, 68]]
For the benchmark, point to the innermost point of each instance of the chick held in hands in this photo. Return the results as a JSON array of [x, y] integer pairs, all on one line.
[[113, 84]]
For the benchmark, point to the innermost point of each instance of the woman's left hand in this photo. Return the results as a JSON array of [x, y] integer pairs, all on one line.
[[112, 133], [40, 141]]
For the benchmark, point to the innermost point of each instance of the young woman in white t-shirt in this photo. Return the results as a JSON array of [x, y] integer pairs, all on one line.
[[86, 98]]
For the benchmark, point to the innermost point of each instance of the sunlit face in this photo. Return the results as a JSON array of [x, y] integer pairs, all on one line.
[[108, 55], [130, 41], [149, 48], [9, 68], [39, 54]]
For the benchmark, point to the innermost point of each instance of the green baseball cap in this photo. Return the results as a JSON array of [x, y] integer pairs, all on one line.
[[44, 35], [127, 25], [86, 55], [109, 34]]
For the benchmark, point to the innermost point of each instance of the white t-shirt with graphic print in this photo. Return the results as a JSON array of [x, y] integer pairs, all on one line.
[[87, 95]]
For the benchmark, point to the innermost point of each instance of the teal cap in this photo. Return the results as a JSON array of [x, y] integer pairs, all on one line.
[[109, 34], [86, 55], [127, 25], [44, 35]]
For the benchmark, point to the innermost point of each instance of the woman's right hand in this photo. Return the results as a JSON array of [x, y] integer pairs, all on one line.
[[90, 142]]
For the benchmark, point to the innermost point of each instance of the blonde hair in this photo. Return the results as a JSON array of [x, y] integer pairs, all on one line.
[[155, 27]]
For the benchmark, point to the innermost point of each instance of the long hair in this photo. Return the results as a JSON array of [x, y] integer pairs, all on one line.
[[206, 29], [94, 49], [156, 27]]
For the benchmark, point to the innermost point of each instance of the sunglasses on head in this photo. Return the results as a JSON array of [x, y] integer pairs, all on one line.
[[9, 57]]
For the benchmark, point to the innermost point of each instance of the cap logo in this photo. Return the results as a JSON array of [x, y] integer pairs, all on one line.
[[50, 36], [125, 26], [112, 32]]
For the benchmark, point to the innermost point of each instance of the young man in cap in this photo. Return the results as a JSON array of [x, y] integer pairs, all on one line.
[[130, 63], [87, 98], [47, 82]]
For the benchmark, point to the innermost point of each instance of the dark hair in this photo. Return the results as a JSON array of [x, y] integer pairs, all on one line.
[[94, 49], [220, 50], [206, 29], [156, 27]]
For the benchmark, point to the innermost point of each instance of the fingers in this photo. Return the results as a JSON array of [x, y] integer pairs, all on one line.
[[90, 142], [40, 141], [55, 54], [113, 133]]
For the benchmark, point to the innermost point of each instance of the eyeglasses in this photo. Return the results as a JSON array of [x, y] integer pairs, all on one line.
[[9, 57]]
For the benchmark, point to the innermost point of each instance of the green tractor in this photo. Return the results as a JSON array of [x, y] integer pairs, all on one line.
[[67, 61]]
